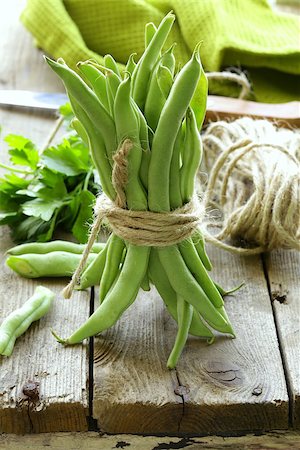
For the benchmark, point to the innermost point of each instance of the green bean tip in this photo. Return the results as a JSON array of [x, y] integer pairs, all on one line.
[[59, 339]]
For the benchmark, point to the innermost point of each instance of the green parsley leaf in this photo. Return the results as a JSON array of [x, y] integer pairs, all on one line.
[[22, 151], [41, 208], [54, 190]]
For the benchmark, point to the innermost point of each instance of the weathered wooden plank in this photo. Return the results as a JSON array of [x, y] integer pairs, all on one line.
[[230, 386], [92, 440], [133, 389], [237, 384], [284, 275], [61, 374]]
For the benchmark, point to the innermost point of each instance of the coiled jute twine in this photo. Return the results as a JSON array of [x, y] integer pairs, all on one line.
[[253, 184], [144, 228]]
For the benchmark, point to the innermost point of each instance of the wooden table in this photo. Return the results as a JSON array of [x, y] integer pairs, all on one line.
[[118, 382]]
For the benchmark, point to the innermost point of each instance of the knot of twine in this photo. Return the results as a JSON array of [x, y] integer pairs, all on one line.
[[254, 182], [143, 228]]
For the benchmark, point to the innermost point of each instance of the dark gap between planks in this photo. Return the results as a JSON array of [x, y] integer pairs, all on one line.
[[264, 260], [92, 423]]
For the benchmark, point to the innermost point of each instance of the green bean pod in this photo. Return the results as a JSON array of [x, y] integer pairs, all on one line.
[[19, 320], [53, 264], [144, 140], [191, 157], [168, 59], [80, 130], [170, 257], [142, 72], [131, 65], [199, 244], [198, 102], [155, 100], [118, 299], [167, 129], [164, 80], [88, 100], [150, 30], [175, 192], [127, 127], [96, 79], [112, 84], [91, 275], [159, 278], [53, 246], [113, 260], [111, 64], [197, 269], [145, 284], [184, 317], [97, 149]]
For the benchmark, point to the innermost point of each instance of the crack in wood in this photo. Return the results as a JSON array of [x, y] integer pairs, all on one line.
[[181, 391]]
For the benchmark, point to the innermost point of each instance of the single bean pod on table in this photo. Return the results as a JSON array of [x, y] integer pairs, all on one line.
[[143, 134]]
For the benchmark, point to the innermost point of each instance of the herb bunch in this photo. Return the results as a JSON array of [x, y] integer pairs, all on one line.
[[43, 191]]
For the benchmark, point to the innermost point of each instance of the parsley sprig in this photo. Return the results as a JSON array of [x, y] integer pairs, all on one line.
[[43, 191]]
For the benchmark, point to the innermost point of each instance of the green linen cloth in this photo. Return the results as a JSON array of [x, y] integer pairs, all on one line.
[[240, 33]]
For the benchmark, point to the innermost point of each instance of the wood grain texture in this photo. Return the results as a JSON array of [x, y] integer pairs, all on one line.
[[233, 385], [284, 277], [95, 441], [61, 374], [133, 389], [236, 384]]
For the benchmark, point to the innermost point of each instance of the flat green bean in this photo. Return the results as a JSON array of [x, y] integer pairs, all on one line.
[[19, 320], [53, 246], [53, 264]]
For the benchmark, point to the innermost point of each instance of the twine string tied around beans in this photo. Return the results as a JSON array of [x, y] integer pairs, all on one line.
[[144, 228]]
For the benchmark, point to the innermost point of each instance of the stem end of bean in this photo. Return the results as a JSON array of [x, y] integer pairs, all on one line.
[[58, 338]]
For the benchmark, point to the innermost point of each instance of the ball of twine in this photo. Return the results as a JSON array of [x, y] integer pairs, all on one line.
[[254, 184]]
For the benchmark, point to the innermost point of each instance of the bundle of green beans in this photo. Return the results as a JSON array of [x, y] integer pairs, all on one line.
[[159, 112]]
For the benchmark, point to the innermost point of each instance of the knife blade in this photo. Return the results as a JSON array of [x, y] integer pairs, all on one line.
[[50, 101], [218, 107]]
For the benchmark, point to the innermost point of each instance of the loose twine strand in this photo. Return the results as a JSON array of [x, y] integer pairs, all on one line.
[[254, 182], [144, 228], [239, 78]]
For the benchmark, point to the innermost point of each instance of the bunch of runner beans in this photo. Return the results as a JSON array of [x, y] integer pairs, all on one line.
[[160, 112]]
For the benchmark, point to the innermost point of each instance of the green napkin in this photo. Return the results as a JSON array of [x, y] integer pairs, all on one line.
[[240, 33]]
